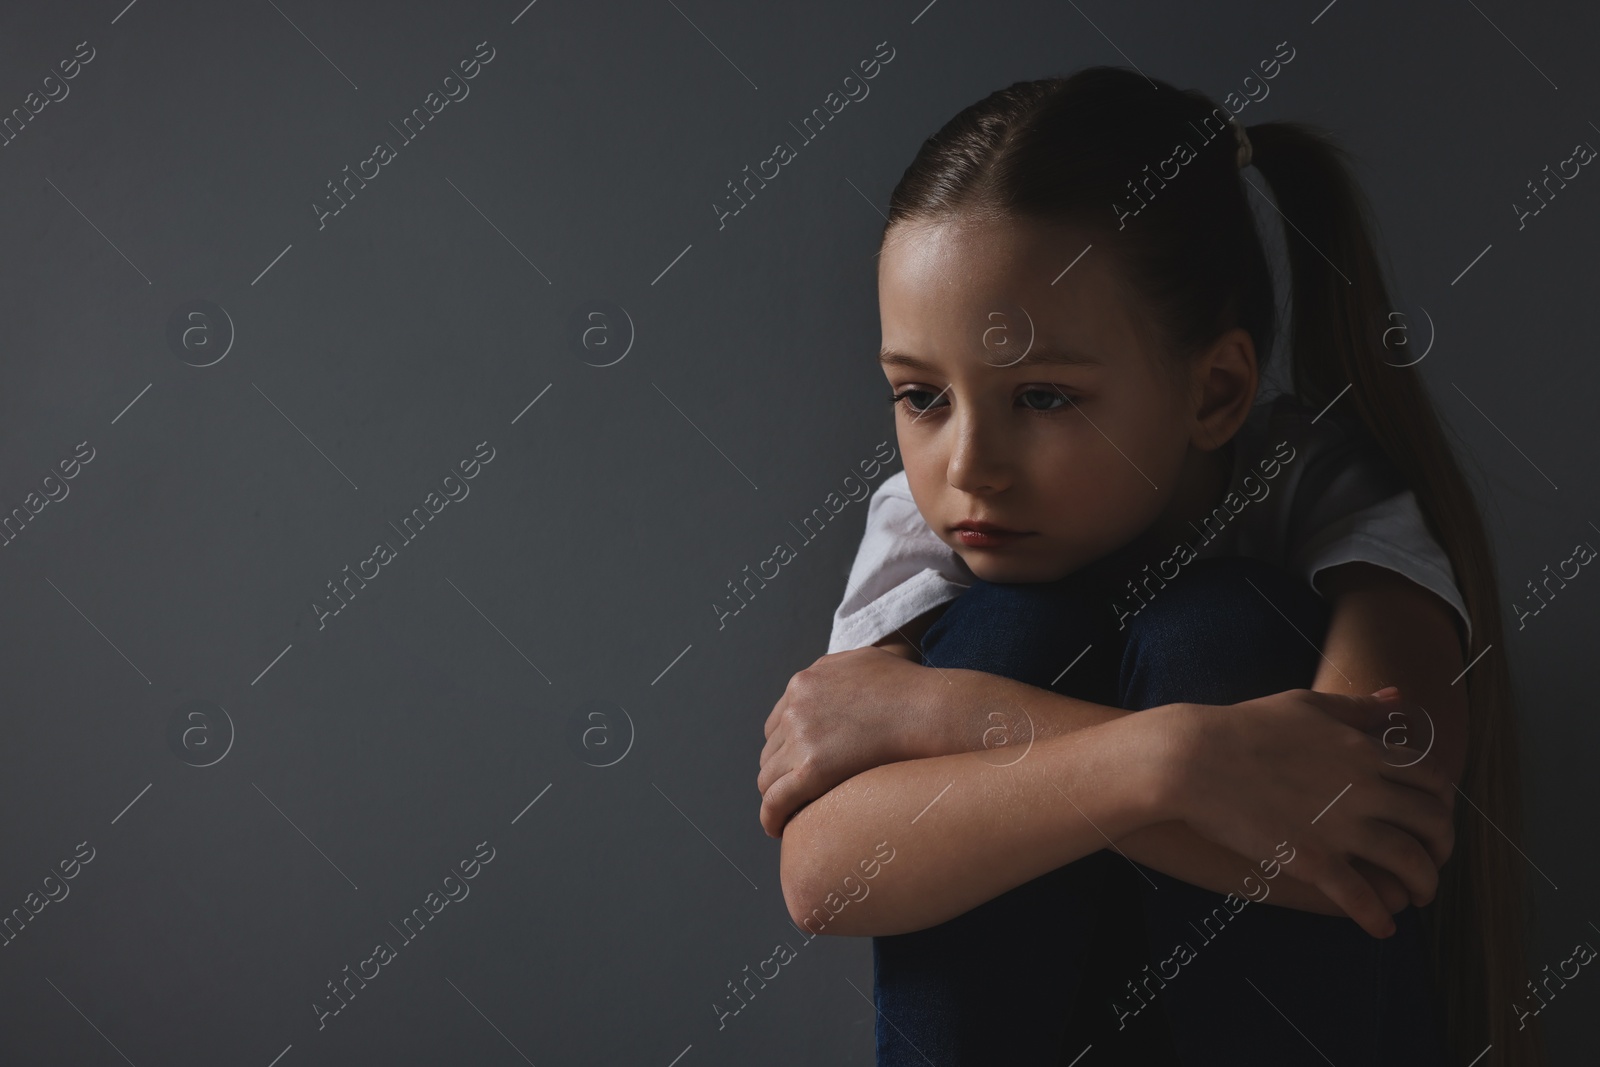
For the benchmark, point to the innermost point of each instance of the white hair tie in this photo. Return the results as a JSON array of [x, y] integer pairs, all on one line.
[[1244, 143]]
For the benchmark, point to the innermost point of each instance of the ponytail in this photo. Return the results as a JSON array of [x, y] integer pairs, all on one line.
[[1341, 314]]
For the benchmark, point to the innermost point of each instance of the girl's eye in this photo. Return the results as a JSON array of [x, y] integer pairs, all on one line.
[[1043, 399], [917, 399], [923, 400]]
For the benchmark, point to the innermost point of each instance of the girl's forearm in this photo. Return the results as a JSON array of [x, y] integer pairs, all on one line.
[[1173, 848], [972, 710], [968, 722], [967, 827]]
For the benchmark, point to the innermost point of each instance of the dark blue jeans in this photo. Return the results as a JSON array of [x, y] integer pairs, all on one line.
[[1107, 952]]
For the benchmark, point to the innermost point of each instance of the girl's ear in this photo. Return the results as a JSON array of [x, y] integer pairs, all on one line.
[[1223, 388]]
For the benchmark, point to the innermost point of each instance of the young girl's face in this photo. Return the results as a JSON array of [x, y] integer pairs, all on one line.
[[1030, 407]]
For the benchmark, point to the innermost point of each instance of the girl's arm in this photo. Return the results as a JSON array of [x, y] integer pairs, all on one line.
[[963, 829], [1385, 630]]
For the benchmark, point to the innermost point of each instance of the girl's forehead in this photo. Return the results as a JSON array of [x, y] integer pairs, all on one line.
[[1048, 266], [947, 289]]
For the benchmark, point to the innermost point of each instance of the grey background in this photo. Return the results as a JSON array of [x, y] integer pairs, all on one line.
[[377, 352]]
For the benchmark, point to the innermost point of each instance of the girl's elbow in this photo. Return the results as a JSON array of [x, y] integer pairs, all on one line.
[[809, 916], [800, 870], [796, 872], [823, 913]]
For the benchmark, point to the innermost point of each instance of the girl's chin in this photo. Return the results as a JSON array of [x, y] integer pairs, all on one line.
[[994, 567]]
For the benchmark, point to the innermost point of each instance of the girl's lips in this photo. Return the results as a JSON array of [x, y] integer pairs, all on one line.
[[988, 538]]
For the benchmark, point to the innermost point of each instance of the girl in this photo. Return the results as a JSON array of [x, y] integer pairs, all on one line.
[[1061, 468]]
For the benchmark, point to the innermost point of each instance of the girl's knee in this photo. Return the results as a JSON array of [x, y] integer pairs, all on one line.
[[1028, 632], [1224, 630]]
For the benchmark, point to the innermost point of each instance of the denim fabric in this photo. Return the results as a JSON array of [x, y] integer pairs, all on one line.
[[1045, 970]]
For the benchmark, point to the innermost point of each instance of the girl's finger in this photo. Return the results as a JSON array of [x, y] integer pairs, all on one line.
[[1403, 855], [774, 765], [775, 741], [773, 812], [1411, 766], [1422, 816], [775, 713], [1390, 890], [1341, 884], [786, 796]]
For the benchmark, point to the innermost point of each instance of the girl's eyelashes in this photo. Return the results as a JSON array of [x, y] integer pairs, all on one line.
[[917, 400], [1041, 400]]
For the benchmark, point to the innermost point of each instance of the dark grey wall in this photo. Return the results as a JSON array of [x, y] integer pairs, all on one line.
[[160, 615]]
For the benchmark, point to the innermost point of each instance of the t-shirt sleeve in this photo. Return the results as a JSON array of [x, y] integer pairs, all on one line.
[[1391, 534], [1349, 503], [901, 570]]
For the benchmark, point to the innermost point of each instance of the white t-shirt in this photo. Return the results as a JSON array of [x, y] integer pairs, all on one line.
[[1304, 495]]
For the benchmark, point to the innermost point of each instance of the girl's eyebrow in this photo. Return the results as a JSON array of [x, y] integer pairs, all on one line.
[[889, 357]]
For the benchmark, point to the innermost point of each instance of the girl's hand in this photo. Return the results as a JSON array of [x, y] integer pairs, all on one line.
[[1394, 720], [844, 714], [1286, 768]]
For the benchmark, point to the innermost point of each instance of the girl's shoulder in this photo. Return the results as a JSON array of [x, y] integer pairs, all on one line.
[[1326, 437], [1285, 417], [1327, 463]]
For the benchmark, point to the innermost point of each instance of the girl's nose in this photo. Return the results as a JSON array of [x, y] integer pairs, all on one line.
[[977, 462]]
